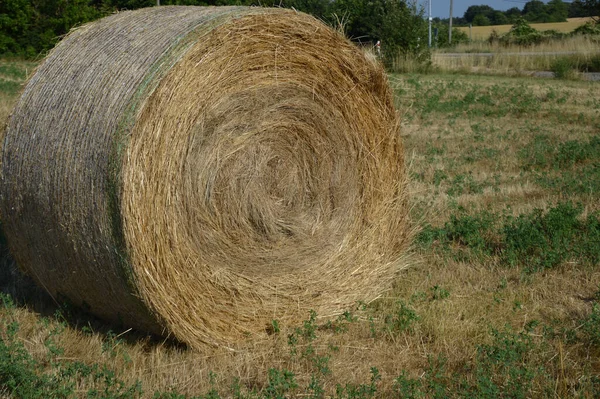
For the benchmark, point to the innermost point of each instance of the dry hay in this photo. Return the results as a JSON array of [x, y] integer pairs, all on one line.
[[200, 172]]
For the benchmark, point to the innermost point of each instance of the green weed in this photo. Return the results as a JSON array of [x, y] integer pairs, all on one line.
[[23, 376], [438, 293], [503, 369], [591, 326], [407, 388], [563, 68], [584, 181], [543, 240], [543, 154], [466, 230], [464, 184], [361, 391], [401, 320], [280, 384], [536, 241]]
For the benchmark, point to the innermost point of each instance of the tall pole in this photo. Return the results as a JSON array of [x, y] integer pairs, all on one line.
[[429, 23], [450, 27]]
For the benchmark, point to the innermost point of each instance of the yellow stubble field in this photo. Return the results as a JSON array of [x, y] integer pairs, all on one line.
[[483, 32]]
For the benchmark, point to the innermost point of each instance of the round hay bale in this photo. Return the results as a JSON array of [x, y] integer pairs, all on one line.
[[202, 171]]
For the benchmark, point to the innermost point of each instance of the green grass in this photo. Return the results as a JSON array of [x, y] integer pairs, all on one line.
[[534, 241]]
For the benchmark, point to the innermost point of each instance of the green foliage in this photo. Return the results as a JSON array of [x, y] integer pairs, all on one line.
[[483, 11], [572, 152], [589, 8], [581, 180], [589, 28], [280, 384], [24, 377], [535, 241], [543, 240], [502, 369], [401, 320], [439, 293], [591, 326], [563, 68], [533, 11], [361, 391], [521, 34], [558, 11], [569, 167], [537, 154], [458, 36], [459, 100], [29, 28], [398, 24], [464, 184], [462, 230], [481, 20], [591, 64], [407, 388]]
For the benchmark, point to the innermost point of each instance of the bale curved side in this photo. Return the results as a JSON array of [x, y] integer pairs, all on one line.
[[210, 170]]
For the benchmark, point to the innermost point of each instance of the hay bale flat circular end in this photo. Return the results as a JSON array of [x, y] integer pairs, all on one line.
[[206, 171]]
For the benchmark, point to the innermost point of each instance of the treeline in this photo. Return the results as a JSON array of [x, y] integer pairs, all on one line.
[[534, 11], [29, 28]]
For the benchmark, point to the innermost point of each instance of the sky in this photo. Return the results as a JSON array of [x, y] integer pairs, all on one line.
[[441, 8]]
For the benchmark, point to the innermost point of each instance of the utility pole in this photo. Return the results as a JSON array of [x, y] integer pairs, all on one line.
[[429, 23], [450, 27]]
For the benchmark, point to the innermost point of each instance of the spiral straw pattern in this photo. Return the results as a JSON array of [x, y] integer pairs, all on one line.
[[202, 171]]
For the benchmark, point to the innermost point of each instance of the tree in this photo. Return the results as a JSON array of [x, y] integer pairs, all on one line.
[[535, 11], [473, 11], [403, 31], [558, 11], [458, 36], [513, 13], [499, 18], [399, 25], [16, 17], [318, 8], [591, 8], [576, 10], [481, 20]]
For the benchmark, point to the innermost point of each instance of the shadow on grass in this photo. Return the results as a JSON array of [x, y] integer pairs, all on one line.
[[25, 293]]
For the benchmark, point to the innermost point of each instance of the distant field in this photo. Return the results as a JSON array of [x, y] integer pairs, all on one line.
[[483, 32]]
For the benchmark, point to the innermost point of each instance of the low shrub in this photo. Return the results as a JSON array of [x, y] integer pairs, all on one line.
[[589, 28], [523, 34], [563, 68]]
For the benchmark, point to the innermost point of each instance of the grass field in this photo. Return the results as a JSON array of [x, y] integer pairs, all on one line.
[[502, 298], [12, 76], [483, 32]]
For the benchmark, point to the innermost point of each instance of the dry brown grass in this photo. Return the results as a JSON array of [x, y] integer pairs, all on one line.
[[483, 32], [227, 167]]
